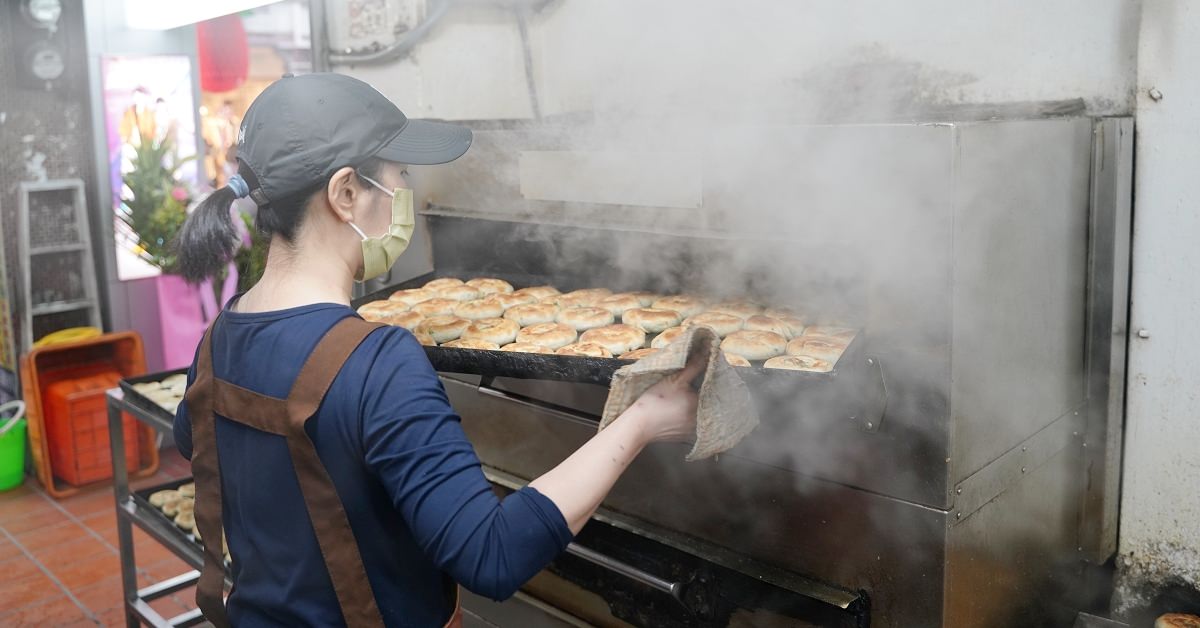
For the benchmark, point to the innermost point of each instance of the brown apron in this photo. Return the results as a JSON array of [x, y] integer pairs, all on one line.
[[284, 417]]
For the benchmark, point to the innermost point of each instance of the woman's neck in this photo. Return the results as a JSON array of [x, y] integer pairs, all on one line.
[[292, 279]]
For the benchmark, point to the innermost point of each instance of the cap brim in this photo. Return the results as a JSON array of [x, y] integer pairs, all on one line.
[[425, 143]]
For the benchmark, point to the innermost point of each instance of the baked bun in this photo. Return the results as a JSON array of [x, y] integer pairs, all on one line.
[[789, 317], [685, 305], [413, 296], [548, 335], [617, 339], [460, 293], [538, 292], [723, 324], [495, 330], [829, 331], [639, 354], [479, 309], [754, 345], [584, 318], [817, 347], [424, 338], [476, 344], [766, 323], [532, 314], [489, 286], [445, 282], [618, 304], [799, 363], [645, 298], [443, 329], [651, 320], [513, 300], [736, 360], [1177, 620], [436, 307], [585, 350], [186, 520], [667, 337], [407, 320], [187, 490], [740, 309], [158, 498], [524, 347], [580, 298], [371, 311]]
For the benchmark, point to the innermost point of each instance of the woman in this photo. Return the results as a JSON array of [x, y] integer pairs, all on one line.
[[345, 484]]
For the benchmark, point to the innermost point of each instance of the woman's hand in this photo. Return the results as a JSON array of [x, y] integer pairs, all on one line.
[[667, 411]]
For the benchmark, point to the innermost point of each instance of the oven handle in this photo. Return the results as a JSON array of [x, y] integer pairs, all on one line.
[[587, 420], [674, 589]]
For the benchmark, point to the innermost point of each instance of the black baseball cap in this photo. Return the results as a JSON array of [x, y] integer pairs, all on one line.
[[302, 129]]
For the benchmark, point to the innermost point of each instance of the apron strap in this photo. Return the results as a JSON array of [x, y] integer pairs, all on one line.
[[325, 511], [210, 588]]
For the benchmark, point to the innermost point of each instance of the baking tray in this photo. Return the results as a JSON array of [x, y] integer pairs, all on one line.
[[142, 498], [143, 403], [589, 370]]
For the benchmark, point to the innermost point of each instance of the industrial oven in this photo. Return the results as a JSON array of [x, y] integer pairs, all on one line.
[[960, 465]]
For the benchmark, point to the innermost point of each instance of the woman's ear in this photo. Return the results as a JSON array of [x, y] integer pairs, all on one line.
[[342, 192]]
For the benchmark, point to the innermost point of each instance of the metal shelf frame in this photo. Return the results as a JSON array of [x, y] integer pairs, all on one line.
[[130, 513]]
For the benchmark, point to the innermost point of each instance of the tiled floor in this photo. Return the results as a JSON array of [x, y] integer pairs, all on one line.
[[59, 562]]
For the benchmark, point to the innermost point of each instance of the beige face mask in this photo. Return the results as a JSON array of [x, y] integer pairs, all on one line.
[[380, 253]]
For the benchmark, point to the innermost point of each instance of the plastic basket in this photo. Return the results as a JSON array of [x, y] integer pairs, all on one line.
[[76, 417]]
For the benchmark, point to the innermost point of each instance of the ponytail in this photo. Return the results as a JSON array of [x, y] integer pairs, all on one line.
[[208, 239]]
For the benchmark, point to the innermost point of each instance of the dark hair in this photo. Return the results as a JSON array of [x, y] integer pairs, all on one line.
[[209, 239]]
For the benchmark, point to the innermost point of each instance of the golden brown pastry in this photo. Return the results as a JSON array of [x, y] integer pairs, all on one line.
[[532, 314], [651, 320], [424, 338], [794, 321], [399, 317], [513, 300], [369, 311], [1177, 620], [585, 318], [754, 345], [443, 329], [617, 338], [585, 350], [766, 323], [579, 298], [460, 293], [538, 292], [489, 286], [685, 305], [170, 507], [188, 490], [799, 363], [186, 521], [817, 347], [735, 360], [639, 354], [525, 347], [740, 309], [158, 498], [618, 304], [479, 309], [667, 337], [444, 282], [498, 331], [646, 299], [413, 296], [436, 307], [723, 324], [829, 331], [549, 335], [479, 345]]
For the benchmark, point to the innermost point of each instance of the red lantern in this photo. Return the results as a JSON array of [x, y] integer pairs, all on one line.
[[224, 53]]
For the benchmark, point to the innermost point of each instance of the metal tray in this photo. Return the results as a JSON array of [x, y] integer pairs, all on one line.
[[583, 369], [139, 400]]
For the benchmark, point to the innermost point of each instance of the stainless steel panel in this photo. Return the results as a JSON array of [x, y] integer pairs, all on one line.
[[850, 538], [1020, 276], [1108, 333]]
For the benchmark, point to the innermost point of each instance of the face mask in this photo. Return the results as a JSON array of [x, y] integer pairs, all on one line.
[[381, 252]]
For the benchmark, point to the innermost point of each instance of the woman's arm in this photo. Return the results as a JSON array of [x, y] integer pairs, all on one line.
[[666, 412]]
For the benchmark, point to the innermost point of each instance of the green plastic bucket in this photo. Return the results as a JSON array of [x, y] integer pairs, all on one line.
[[12, 445]]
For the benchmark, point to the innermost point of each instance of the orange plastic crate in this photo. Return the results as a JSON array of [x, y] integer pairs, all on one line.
[[76, 417]]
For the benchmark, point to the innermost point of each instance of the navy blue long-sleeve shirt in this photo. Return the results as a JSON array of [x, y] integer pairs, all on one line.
[[410, 482]]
